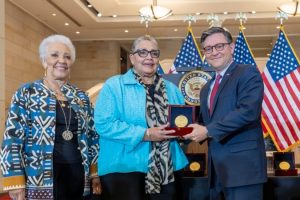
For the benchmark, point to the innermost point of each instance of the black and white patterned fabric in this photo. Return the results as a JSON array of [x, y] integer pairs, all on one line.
[[160, 167]]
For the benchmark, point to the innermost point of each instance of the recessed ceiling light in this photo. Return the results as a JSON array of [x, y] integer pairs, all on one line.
[[54, 14], [268, 54], [225, 13], [77, 32], [89, 5], [198, 13], [114, 16], [278, 27], [99, 15], [67, 24], [253, 11], [175, 29], [126, 31]]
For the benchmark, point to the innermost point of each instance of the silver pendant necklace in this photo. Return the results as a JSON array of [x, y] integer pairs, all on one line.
[[67, 134]]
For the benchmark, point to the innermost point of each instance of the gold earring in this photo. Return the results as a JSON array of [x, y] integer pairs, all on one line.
[[45, 73]]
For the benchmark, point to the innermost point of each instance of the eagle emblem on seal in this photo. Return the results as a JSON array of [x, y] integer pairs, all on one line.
[[191, 84]]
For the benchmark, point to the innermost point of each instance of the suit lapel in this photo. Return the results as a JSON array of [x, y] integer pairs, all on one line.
[[204, 103]]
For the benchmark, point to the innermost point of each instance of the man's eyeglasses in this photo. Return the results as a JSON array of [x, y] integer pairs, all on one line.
[[218, 47], [143, 53]]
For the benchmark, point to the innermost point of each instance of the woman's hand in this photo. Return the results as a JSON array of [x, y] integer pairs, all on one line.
[[158, 133], [18, 194], [96, 185]]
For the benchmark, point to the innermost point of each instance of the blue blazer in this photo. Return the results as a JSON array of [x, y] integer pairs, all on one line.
[[236, 146]]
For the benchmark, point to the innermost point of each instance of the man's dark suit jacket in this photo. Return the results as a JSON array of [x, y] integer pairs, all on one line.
[[236, 146]]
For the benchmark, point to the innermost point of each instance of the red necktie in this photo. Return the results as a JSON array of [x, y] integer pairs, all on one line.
[[213, 92]]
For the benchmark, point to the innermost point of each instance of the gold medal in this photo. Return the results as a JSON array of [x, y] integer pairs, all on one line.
[[195, 166], [284, 165], [181, 121]]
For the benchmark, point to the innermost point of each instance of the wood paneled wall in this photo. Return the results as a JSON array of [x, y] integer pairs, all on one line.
[[95, 62], [23, 36]]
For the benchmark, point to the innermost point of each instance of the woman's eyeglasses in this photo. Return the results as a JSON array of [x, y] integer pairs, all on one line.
[[218, 47], [143, 53]]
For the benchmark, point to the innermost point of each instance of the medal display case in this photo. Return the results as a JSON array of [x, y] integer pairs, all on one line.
[[284, 164], [196, 166], [180, 116]]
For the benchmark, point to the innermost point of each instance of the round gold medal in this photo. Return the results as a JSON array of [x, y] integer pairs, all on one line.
[[181, 121], [195, 166], [284, 165]]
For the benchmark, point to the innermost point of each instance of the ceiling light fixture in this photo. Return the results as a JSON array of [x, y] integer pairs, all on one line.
[[292, 8], [154, 11], [91, 8]]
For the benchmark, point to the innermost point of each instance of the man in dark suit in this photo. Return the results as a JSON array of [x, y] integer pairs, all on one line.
[[230, 118]]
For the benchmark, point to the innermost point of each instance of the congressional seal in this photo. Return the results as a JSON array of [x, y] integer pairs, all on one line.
[[191, 84]]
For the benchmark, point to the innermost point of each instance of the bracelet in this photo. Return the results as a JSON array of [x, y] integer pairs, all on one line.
[[148, 133]]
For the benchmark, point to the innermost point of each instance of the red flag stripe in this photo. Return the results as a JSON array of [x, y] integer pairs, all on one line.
[[292, 96], [279, 106], [290, 110], [275, 127], [285, 103], [271, 129], [295, 84], [283, 115], [294, 92]]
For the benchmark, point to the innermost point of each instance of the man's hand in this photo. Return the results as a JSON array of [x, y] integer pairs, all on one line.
[[198, 134]]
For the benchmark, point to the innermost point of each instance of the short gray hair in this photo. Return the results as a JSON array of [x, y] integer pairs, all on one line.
[[56, 39], [143, 38]]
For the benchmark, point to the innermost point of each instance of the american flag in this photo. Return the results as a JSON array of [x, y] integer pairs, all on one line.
[[242, 53], [205, 64], [160, 69], [281, 104], [189, 55]]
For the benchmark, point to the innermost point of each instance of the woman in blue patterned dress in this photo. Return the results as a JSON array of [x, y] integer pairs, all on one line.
[[50, 147]]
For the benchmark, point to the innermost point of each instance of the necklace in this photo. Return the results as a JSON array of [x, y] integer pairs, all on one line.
[[61, 103], [58, 94], [67, 134]]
